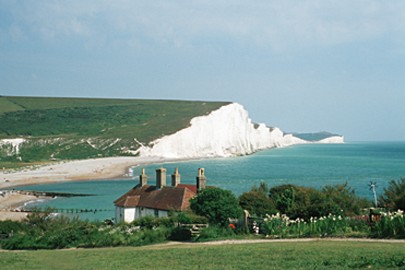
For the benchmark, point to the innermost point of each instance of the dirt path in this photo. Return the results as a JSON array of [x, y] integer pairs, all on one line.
[[249, 241], [294, 240]]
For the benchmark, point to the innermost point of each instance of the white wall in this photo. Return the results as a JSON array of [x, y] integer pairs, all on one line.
[[130, 214], [119, 214], [151, 212], [125, 214]]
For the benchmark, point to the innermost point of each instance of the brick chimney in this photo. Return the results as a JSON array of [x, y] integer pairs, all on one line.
[[160, 177], [175, 178], [201, 180], [143, 178]]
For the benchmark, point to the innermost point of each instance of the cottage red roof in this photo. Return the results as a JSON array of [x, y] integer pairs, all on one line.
[[193, 188], [166, 198]]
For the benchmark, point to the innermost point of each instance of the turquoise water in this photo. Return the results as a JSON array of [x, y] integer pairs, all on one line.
[[306, 165]]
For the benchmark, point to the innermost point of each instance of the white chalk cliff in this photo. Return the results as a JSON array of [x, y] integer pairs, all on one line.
[[14, 144], [225, 132]]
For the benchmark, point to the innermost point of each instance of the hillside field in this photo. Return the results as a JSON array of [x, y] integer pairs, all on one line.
[[79, 128], [272, 255]]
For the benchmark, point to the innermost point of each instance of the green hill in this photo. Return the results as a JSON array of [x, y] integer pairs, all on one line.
[[76, 128]]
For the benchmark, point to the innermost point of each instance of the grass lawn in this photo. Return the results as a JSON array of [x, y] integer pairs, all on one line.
[[271, 255]]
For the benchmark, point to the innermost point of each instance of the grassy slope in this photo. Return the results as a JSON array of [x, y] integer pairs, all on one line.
[[7, 105], [300, 255], [76, 120]]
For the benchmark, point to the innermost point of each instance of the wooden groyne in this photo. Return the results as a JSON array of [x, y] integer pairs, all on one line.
[[70, 210], [43, 193]]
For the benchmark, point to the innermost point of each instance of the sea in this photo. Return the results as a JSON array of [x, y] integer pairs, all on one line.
[[310, 165]]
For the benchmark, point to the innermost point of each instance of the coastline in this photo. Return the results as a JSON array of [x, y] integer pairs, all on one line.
[[11, 203], [77, 170], [68, 171]]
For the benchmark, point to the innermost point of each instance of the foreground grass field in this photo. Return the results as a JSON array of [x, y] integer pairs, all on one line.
[[323, 254]]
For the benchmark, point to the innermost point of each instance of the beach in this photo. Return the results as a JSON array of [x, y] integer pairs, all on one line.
[[11, 203], [90, 169]]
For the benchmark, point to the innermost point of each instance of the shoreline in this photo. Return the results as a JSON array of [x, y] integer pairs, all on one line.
[[12, 202], [79, 170], [68, 171]]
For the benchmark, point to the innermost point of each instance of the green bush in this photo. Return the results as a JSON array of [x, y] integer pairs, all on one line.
[[149, 236], [345, 199], [393, 197], [189, 218], [216, 232], [217, 205], [150, 222], [180, 234], [9, 227], [304, 202], [257, 201]]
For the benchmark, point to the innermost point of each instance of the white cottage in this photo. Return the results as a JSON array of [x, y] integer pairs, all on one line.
[[146, 200]]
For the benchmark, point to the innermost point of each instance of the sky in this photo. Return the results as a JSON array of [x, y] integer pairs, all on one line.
[[302, 66]]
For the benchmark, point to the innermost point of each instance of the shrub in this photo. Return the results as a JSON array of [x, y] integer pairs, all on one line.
[[189, 218], [300, 202], [345, 199], [393, 197], [149, 236], [304, 202], [180, 234], [215, 232], [257, 202], [217, 205], [8, 227], [150, 222]]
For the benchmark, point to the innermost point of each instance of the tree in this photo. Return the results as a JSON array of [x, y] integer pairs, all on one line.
[[218, 205], [257, 202], [393, 197], [283, 197], [345, 198], [304, 202]]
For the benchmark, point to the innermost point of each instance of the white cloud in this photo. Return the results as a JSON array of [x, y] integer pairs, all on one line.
[[278, 25]]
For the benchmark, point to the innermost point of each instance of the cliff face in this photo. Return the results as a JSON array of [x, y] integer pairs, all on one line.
[[10, 146], [225, 132]]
